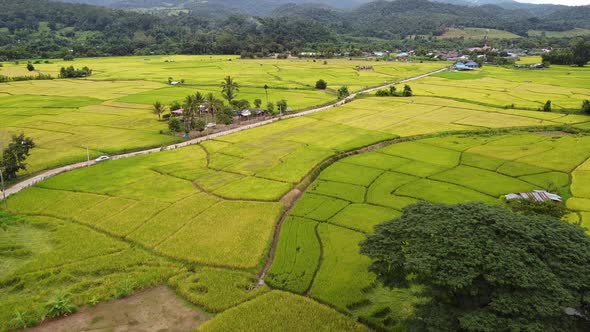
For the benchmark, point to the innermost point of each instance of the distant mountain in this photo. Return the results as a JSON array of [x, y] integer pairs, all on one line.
[[266, 7], [245, 6], [533, 9]]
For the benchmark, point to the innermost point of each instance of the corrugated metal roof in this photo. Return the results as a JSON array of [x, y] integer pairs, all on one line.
[[537, 195]]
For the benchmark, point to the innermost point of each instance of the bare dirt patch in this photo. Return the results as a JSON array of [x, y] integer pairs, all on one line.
[[156, 309], [554, 133]]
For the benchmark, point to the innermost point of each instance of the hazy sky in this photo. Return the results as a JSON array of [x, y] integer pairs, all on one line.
[[560, 2]]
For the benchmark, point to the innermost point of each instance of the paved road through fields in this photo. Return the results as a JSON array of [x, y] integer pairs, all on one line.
[[55, 171]]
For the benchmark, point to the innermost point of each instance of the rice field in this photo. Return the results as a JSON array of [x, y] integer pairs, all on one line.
[[504, 87], [202, 218], [447, 169], [109, 112], [280, 311]]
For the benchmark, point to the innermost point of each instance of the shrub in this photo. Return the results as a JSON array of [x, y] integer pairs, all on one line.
[[321, 84], [270, 107], [174, 125], [382, 93], [225, 116], [257, 103], [343, 92], [586, 106], [30, 67], [282, 105], [200, 125], [59, 306], [547, 106], [392, 90], [407, 91]]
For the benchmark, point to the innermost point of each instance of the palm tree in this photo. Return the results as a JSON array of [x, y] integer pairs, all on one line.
[[229, 89], [199, 101], [158, 108], [213, 104], [190, 108]]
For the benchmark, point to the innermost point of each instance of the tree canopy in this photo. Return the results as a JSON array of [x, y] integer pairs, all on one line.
[[15, 155], [486, 268], [48, 29]]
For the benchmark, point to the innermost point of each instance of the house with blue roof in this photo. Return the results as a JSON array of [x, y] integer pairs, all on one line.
[[460, 66]]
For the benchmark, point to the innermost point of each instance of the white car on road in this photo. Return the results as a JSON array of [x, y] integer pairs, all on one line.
[[102, 158]]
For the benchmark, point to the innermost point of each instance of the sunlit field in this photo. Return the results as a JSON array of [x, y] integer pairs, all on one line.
[[202, 219], [109, 112], [504, 87], [318, 250]]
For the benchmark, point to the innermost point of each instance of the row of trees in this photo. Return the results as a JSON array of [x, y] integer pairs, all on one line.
[[578, 53], [392, 92]]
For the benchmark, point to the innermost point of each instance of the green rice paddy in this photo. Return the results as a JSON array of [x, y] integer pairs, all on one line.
[[202, 218], [109, 112], [460, 169]]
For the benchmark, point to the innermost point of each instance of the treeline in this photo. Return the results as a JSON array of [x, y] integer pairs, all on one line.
[[39, 28], [578, 53]]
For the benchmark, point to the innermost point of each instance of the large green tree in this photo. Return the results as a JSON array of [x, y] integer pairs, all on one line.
[[15, 155], [580, 51], [486, 268]]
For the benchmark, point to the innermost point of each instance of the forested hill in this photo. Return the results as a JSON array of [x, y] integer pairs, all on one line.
[[265, 7], [42, 28], [399, 19]]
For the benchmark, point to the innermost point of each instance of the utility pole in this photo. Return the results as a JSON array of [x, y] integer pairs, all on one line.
[[87, 156]]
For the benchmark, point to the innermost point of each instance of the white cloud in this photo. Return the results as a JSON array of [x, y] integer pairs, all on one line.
[[560, 2]]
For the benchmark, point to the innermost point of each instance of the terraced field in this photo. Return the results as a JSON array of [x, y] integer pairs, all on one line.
[[202, 218], [318, 250], [110, 111]]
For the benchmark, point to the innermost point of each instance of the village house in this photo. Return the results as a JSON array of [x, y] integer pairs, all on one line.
[[537, 195]]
